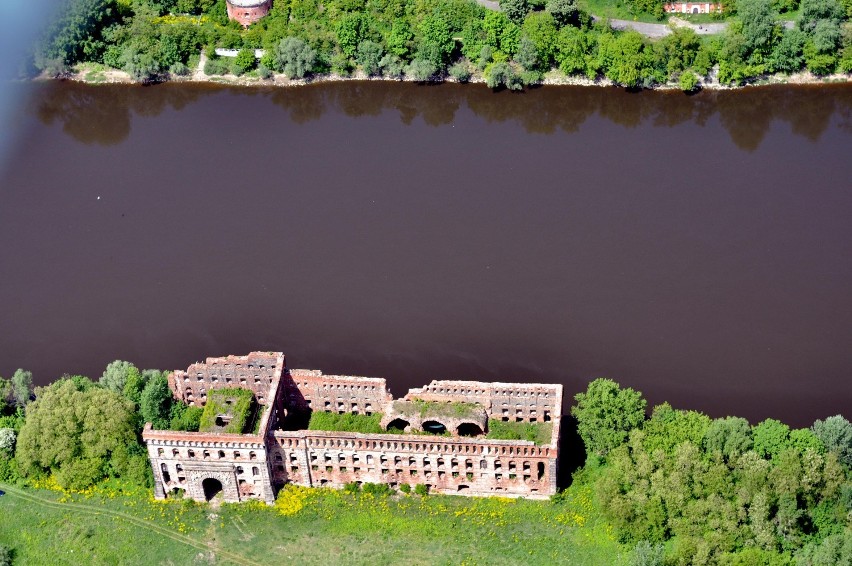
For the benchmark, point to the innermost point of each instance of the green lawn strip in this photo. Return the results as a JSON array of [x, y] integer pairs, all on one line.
[[347, 422], [71, 511], [438, 409]]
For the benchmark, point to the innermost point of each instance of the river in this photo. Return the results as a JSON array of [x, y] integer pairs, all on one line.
[[697, 248]]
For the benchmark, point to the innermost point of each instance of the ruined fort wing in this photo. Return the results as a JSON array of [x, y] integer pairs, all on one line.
[[449, 435]]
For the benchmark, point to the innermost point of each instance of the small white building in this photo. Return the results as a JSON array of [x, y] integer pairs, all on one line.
[[692, 7]]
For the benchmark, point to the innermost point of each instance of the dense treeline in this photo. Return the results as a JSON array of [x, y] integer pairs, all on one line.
[[79, 432], [686, 489], [429, 39]]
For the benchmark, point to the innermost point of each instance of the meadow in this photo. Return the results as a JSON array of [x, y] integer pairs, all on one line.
[[114, 523]]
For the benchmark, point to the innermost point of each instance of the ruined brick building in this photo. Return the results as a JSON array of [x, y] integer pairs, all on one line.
[[461, 460], [247, 12]]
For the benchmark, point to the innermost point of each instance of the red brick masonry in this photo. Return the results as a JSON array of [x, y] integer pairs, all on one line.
[[246, 466]]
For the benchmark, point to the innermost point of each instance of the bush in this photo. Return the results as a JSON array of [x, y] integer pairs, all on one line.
[[540, 433], [421, 489], [352, 487], [179, 69], [460, 71], [369, 57], [421, 70], [647, 554], [216, 67], [5, 556], [347, 422], [379, 489], [263, 71], [234, 401], [392, 66], [502, 75], [7, 442], [244, 62], [405, 488], [688, 81]]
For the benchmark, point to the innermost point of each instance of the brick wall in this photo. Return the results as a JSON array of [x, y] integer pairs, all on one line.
[[248, 15]]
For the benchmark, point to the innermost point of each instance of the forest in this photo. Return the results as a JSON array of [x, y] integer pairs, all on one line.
[[673, 487], [430, 40]]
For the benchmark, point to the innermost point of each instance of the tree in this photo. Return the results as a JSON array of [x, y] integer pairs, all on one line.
[[804, 439], [436, 42], [392, 66], [79, 434], [541, 29], [156, 402], [605, 414], [563, 11], [351, 30], [515, 10], [5, 556], [115, 375], [21, 387], [836, 434], [7, 442], [758, 22], [730, 436], [787, 54], [814, 11], [647, 554], [400, 38], [244, 62], [294, 57], [370, 56], [669, 428], [771, 437], [527, 55], [460, 71], [136, 382], [502, 75], [571, 50]]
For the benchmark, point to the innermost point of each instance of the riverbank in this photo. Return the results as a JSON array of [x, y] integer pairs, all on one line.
[[99, 74]]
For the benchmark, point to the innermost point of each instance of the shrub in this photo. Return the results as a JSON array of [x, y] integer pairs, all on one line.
[[369, 57], [380, 489], [405, 488], [5, 556], [7, 442], [263, 71], [647, 554], [216, 66], [234, 401], [421, 70], [392, 66], [540, 433], [502, 75], [352, 487], [460, 71], [244, 62], [421, 489], [688, 81], [347, 422]]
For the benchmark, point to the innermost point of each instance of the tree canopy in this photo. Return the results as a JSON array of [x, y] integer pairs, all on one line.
[[606, 413]]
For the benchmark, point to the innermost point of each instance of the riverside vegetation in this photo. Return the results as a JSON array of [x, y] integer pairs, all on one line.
[[674, 488], [428, 40]]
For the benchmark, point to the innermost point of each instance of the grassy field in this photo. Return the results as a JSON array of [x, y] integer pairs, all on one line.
[[109, 525]]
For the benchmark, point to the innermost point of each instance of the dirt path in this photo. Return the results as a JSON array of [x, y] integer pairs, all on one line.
[[142, 523]]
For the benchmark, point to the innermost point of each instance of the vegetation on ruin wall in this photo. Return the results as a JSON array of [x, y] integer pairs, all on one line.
[[233, 401], [540, 433], [430, 39], [347, 422], [438, 409]]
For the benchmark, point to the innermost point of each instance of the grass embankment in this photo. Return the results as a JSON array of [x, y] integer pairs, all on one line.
[[107, 525]]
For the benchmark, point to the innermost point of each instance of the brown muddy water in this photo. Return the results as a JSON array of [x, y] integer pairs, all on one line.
[[696, 248]]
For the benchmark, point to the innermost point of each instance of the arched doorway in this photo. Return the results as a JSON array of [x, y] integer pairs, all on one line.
[[695, 10], [434, 427], [469, 429], [398, 424], [212, 488]]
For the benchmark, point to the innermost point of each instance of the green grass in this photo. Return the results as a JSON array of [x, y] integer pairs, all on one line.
[[540, 433], [347, 422], [617, 9], [233, 401], [108, 525], [455, 409]]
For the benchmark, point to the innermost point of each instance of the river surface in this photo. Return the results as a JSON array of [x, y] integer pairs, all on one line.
[[698, 248]]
